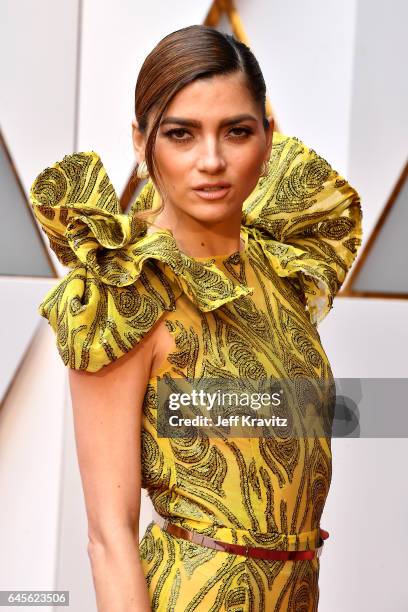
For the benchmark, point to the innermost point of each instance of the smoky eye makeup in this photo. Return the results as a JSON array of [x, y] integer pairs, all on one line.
[[176, 134]]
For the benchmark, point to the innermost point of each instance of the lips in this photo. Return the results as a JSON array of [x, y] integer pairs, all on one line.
[[212, 191], [211, 186]]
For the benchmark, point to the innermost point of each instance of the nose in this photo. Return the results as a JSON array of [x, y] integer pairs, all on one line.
[[211, 158]]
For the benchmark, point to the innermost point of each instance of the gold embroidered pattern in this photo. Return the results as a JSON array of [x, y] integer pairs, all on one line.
[[251, 315]]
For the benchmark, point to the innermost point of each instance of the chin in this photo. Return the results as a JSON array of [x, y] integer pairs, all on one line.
[[216, 212]]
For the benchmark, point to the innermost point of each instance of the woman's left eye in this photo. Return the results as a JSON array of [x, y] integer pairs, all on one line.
[[245, 131]]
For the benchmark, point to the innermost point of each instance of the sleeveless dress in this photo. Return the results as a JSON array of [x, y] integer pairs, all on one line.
[[251, 314]]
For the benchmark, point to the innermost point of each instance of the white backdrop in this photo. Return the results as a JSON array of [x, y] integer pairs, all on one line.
[[334, 80]]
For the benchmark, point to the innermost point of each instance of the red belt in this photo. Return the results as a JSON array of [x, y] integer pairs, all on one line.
[[238, 549]]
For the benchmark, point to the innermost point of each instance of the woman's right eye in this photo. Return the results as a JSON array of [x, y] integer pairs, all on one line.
[[171, 134]]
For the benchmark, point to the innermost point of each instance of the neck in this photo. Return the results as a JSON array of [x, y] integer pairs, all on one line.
[[197, 239]]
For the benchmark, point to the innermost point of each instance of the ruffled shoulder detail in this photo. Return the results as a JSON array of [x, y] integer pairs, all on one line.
[[122, 280], [308, 220], [306, 217]]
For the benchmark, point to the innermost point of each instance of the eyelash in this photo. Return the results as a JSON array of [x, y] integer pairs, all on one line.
[[170, 134]]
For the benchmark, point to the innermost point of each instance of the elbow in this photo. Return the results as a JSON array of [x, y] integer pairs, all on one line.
[[108, 537]]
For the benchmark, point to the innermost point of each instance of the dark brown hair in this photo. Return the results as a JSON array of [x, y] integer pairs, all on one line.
[[194, 52]]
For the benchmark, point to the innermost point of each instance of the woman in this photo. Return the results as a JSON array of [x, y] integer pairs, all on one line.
[[252, 239]]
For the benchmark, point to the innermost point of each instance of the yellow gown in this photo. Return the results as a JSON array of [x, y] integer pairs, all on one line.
[[250, 315]]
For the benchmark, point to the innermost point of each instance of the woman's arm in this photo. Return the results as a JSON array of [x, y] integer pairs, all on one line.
[[107, 408]]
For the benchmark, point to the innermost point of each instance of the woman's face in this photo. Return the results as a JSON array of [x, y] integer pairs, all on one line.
[[195, 145]]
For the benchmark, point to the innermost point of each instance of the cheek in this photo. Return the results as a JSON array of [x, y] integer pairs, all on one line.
[[174, 169], [247, 170], [248, 161]]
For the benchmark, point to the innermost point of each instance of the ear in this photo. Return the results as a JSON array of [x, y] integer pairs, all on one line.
[[269, 136], [138, 141]]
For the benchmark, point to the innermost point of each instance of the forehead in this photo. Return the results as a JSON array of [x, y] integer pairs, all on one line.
[[211, 97]]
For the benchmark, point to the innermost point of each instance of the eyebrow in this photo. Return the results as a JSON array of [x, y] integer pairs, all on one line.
[[194, 123]]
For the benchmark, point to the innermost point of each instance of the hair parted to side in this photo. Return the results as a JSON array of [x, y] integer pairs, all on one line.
[[193, 52]]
